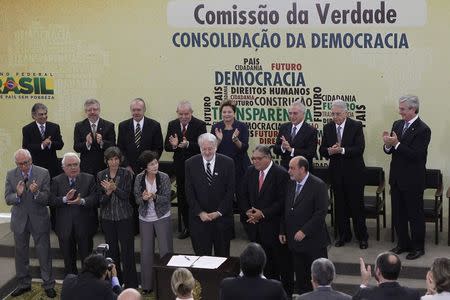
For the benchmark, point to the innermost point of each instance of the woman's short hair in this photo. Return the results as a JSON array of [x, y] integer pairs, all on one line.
[[440, 269], [227, 103], [146, 157], [182, 282], [111, 152]]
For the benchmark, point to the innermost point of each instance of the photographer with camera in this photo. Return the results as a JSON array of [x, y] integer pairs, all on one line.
[[98, 280]]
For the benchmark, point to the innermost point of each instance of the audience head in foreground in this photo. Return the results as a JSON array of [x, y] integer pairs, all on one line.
[[438, 279], [130, 294], [182, 283]]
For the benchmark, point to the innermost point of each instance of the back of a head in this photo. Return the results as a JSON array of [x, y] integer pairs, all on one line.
[[182, 282], [129, 294], [389, 265], [441, 274], [323, 271], [253, 260], [95, 264]]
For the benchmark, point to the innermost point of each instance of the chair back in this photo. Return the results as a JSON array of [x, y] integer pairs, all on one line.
[[433, 179], [373, 176]]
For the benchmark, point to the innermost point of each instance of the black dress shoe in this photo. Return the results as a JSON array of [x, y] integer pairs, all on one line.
[[19, 291], [363, 244], [340, 243], [184, 234], [399, 250], [51, 293], [415, 254]]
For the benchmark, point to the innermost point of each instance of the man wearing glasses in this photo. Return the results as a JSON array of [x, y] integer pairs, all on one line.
[[75, 199], [27, 190]]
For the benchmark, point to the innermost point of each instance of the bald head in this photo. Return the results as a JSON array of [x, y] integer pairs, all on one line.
[[129, 294]]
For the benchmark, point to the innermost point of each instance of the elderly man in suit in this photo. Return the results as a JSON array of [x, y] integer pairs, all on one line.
[[210, 191], [261, 205], [303, 225], [42, 138], [252, 284], [92, 137], [74, 195], [387, 270], [138, 134], [296, 137], [27, 190], [322, 274], [181, 139], [408, 145], [343, 144]]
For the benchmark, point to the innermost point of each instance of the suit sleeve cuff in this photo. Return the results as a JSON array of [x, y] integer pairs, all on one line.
[[396, 146], [114, 281]]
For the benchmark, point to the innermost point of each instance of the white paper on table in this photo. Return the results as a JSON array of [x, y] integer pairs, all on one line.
[[209, 262], [182, 260]]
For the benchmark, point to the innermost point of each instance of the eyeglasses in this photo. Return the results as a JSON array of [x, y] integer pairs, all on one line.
[[258, 158], [74, 165], [23, 163]]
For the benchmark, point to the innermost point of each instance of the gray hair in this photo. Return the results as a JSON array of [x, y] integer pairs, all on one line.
[[36, 107], [138, 100], [300, 105], [339, 104], [90, 102], [185, 103], [264, 150], [323, 271], [69, 154], [207, 137], [22, 151], [411, 100]]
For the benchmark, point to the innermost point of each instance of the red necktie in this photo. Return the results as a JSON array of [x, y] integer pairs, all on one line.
[[183, 132], [261, 180]]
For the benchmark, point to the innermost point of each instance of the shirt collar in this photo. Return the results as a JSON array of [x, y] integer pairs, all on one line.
[[141, 123], [96, 123], [304, 180], [298, 126], [412, 120], [39, 125], [342, 125], [212, 161], [266, 170]]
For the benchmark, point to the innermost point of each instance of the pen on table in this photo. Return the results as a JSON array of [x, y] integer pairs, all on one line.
[[187, 258]]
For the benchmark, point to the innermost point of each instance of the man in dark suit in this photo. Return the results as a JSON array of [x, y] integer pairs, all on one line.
[[181, 139], [296, 137], [75, 197], [261, 205], [42, 139], [92, 137], [322, 274], [343, 144], [408, 145], [91, 283], [387, 269], [210, 191], [138, 134], [252, 284], [27, 190], [303, 225]]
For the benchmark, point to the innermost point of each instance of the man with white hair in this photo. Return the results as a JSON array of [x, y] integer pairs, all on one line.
[[27, 190], [210, 187], [74, 196]]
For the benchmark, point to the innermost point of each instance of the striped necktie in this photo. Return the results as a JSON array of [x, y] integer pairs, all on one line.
[[137, 135], [405, 127], [339, 134], [42, 130], [209, 176]]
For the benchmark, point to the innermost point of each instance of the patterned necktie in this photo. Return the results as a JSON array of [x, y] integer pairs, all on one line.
[[42, 130], [339, 135], [71, 183], [183, 132], [209, 176], [293, 132], [298, 188], [137, 135], [405, 127], [261, 180]]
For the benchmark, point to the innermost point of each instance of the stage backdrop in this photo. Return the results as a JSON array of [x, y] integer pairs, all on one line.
[[262, 54]]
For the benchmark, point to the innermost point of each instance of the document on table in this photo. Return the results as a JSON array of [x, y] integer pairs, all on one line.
[[182, 260], [209, 262]]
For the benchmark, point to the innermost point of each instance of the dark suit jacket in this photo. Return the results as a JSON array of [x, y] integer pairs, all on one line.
[[387, 291], [82, 216], [304, 143], [409, 160], [269, 201], [92, 161], [217, 197], [151, 139], [46, 158], [28, 207], [195, 128], [324, 293], [308, 214], [256, 288], [349, 165], [86, 286]]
